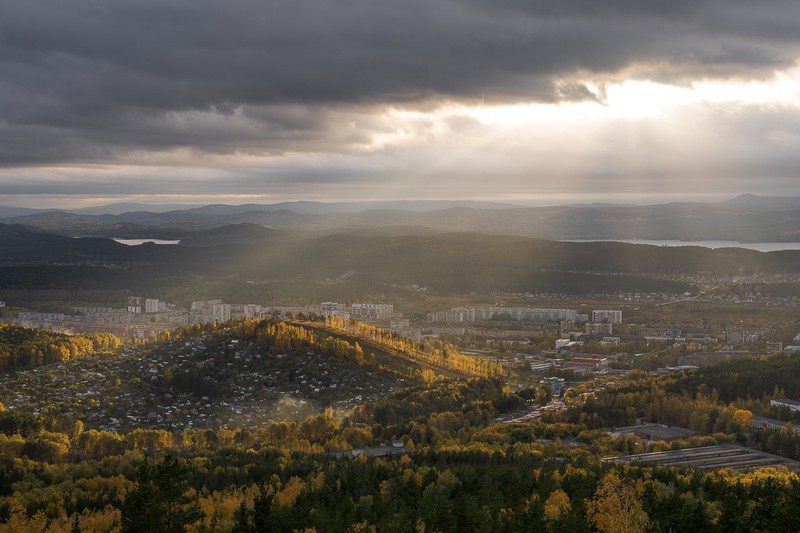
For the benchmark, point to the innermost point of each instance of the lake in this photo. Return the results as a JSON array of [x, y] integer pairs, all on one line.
[[137, 242], [758, 246]]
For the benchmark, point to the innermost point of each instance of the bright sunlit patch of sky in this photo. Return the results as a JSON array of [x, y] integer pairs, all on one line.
[[784, 88], [630, 99]]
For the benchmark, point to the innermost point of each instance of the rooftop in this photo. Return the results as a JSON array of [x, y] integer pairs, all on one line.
[[787, 402], [730, 456]]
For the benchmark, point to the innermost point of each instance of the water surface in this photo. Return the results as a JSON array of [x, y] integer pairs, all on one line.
[[137, 242], [758, 246]]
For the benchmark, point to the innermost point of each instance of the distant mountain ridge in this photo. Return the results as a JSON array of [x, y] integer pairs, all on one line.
[[746, 218], [125, 207], [304, 207]]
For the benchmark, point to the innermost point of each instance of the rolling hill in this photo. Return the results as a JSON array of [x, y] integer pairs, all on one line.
[[447, 262], [746, 218]]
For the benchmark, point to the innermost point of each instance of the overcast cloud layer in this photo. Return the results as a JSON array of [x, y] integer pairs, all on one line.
[[319, 99]]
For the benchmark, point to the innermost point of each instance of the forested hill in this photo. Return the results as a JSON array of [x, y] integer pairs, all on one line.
[[22, 347], [238, 374], [448, 262]]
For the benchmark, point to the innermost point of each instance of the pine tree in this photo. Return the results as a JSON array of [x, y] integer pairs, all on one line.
[[178, 509], [139, 512], [264, 518], [243, 519], [159, 501]]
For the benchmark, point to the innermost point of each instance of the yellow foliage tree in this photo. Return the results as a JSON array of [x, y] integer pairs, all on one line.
[[19, 522], [742, 417], [616, 507], [290, 492], [557, 505]]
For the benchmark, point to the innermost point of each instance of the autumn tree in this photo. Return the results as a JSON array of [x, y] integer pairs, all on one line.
[[556, 505], [742, 417], [616, 507]]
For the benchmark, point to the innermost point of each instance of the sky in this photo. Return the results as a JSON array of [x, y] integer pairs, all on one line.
[[521, 101]]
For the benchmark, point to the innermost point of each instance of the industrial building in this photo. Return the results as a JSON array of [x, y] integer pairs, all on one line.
[[730, 456]]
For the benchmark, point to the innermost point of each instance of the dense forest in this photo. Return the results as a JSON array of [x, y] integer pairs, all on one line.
[[449, 465], [22, 347], [453, 477], [442, 356]]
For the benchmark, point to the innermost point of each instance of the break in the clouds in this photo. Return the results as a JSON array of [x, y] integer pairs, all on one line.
[[312, 98]]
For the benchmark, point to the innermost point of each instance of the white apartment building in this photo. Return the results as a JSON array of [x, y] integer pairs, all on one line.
[[151, 305], [372, 312], [330, 309], [608, 316]]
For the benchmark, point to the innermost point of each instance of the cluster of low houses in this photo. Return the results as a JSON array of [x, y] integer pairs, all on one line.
[[99, 392]]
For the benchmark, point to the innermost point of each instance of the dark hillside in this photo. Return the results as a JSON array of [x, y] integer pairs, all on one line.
[[455, 262]]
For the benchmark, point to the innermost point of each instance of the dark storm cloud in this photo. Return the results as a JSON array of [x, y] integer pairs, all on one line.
[[161, 181], [94, 80], [716, 151]]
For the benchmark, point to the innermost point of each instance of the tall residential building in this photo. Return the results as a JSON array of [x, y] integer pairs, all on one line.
[[202, 304], [134, 304], [151, 305], [204, 312], [330, 309], [456, 315], [221, 312], [607, 316], [245, 310], [35, 317], [477, 314], [372, 312]]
